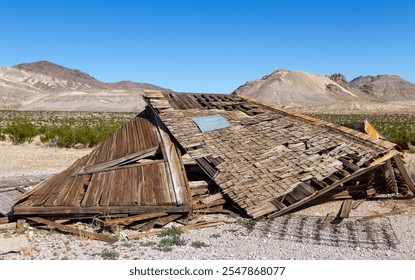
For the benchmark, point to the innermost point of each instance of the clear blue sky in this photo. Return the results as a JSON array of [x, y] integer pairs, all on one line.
[[210, 45]]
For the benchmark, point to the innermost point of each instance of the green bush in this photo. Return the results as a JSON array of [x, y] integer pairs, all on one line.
[[21, 131]]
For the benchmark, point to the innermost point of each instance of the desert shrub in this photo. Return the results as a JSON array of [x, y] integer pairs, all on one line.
[[199, 244], [109, 255], [21, 131], [2, 136], [67, 136]]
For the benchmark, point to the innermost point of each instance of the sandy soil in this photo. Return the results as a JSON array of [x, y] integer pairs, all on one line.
[[35, 159]]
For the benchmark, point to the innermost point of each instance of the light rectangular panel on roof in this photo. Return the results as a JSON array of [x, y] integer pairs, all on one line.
[[210, 123]]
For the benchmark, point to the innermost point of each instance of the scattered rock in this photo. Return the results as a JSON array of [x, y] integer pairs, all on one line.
[[13, 244]]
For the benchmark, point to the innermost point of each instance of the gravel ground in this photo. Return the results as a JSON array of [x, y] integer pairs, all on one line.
[[292, 237]]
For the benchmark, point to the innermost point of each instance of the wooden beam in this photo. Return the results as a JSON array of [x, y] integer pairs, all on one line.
[[76, 231], [321, 192], [183, 228], [165, 220], [60, 210], [326, 221], [8, 226], [389, 175], [132, 219], [404, 173], [380, 215], [346, 208], [175, 167], [389, 155], [124, 160]]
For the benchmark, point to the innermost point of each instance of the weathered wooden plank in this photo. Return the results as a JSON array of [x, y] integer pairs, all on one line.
[[183, 228], [61, 210], [76, 231], [385, 157], [389, 175], [108, 189], [345, 209], [165, 220], [176, 171], [386, 214], [93, 191], [323, 191], [211, 198], [404, 173], [118, 161], [132, 219], [8, 226]]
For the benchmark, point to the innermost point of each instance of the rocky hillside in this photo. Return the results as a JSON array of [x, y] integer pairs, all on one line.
[[318, 93], [385, 87], [46, 86], [293, 89]]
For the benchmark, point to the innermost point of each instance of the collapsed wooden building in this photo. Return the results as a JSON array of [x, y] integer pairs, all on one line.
[[200, 152]]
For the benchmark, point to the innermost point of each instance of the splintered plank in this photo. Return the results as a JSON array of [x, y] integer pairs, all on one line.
[[162, 184], [138, 178], [63, 192], [108, 191], [116, 188], [390, 176], [76, 231], [329, 217], [94, 191], [384, 158], [59, 188], [119, 161], [386, 214], [346, 208], [404, 173], [132, 219], [147, 190], [72, 198], [165, 220], [175, 165], [8, 226], [183, 228], [121, 143], [323, 191]]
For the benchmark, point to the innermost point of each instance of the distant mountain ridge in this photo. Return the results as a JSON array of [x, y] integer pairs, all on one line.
[[44, 85], [385, 87], [303, 91]]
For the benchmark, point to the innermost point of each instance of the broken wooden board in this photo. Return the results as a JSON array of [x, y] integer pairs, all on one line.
[[345, 209], [132, 219], [79, 232], [183, 229]]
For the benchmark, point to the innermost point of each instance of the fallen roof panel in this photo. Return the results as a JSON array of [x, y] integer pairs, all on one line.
[[269, 161], [137, 170]]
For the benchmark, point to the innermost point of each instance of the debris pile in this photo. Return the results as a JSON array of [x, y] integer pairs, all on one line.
[[208, 153]]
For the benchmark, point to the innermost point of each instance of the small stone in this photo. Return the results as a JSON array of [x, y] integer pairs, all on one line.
[[13, 244]]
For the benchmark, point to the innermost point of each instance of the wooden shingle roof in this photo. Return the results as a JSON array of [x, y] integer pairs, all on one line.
[[269, 160]]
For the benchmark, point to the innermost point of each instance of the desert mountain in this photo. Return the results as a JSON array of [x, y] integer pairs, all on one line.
[[47, 86], [294, 88], [385, 87], [308, 92]]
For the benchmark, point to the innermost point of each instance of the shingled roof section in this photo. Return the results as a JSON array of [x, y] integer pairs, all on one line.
[[270, 161]]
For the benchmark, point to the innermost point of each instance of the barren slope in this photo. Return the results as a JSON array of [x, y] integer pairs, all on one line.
[[293, 89], [46, 86], [385, 87], [308, 93]]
